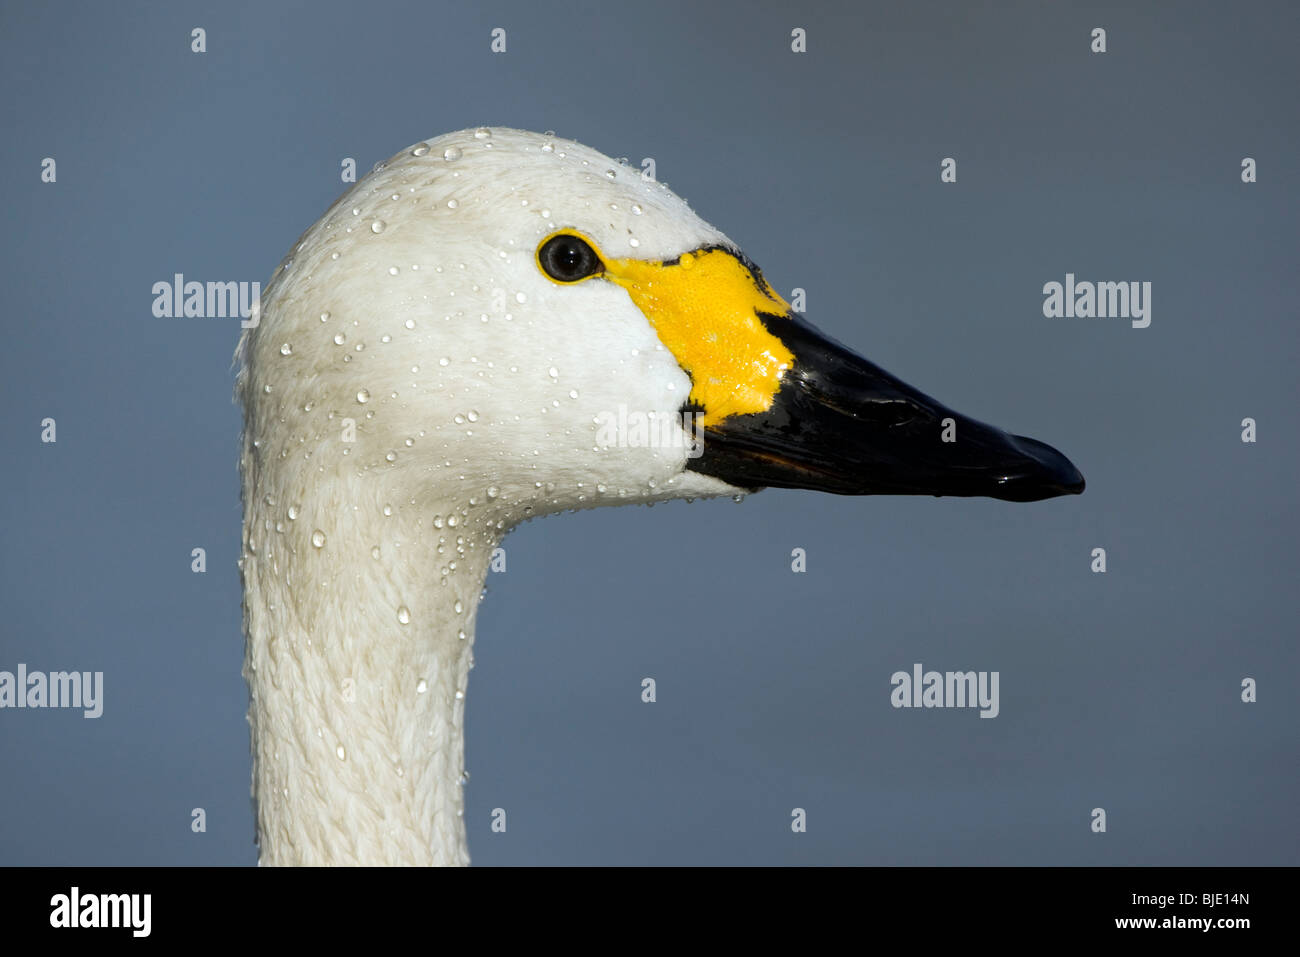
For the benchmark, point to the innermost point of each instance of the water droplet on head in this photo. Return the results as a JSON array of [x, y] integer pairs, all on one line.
[[318, 538], [286, 349], [493, 491], [324, 317], [341, 753], [636, 210], [420, 150], [443, 361], [451, 154], [378, 226], [293, 512], [339, 339], [421, 686], [452, 203], [409, 323], [458, 607], [404, 615], [610, 174], [374, 552], [363, 396]]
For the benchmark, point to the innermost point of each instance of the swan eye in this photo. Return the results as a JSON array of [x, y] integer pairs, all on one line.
[[568, 258]]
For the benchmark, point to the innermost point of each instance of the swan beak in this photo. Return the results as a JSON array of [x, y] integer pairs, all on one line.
[[838, 423], [774, 402]]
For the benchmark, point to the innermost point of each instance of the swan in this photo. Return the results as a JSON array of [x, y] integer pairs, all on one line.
[[491, 326]]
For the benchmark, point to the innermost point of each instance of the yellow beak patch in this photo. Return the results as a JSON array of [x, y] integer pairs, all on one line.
[[704, 307]]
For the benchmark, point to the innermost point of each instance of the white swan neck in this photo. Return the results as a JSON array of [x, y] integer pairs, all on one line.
[[360, 626]]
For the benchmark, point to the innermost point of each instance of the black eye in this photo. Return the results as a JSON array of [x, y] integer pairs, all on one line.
[[568, 258]]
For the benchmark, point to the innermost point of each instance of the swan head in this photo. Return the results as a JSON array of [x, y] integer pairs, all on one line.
[[516, 323]]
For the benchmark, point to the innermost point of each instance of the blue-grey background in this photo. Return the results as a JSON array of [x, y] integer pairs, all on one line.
[[1119, 691]]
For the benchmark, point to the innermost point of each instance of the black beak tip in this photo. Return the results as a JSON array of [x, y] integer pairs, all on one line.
[[1047, 474]]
